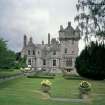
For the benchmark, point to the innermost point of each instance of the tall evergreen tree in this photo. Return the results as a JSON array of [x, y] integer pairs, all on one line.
[[91, 62]]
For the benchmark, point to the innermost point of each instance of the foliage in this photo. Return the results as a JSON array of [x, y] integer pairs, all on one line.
[[20, 62], [85, 88], [46, 86], [46, 83], [91, 18], [7, 57], [86, 85], [91, 62]]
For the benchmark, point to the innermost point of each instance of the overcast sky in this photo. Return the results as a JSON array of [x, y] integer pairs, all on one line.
[[35, 18]]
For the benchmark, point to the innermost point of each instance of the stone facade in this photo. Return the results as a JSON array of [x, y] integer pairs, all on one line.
[[56, 55]]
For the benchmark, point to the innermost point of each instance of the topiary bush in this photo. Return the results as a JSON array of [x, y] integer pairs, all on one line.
[[91, 62]]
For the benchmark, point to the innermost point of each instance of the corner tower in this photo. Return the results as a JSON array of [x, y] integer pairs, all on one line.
[[68, 38]]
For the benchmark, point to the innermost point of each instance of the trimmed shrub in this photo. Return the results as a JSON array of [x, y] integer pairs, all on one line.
[[91, 62]]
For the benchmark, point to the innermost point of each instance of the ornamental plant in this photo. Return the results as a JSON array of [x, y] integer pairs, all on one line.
[[85, 87], [46, 86], [46, 83]]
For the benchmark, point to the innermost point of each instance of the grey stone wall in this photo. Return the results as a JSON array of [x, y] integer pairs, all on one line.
[[68, 40]]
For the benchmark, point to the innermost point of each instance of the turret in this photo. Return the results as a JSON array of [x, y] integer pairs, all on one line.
[[77, 31], [68, 33], [61, 32]]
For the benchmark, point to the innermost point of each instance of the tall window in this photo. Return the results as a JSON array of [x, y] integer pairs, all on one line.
[[72, 52], [54, 52], [73, 41], [29, 52], [69, 62], [38, 52], [65, 50], [29, 61], [54, 62], [33, 52], [44, 62]]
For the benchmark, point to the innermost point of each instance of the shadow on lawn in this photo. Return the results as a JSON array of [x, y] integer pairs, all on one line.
[[5, 84]]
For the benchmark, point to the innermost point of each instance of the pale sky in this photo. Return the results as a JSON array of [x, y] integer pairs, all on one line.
[[35, 18]]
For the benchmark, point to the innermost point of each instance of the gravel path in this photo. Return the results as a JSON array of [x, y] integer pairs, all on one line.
[[46, 96]]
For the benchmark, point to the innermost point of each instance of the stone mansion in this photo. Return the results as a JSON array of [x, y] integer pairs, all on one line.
[[56, 55]]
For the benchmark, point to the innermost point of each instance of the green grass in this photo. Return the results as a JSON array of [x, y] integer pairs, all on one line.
[[6, 73], [23, 91]]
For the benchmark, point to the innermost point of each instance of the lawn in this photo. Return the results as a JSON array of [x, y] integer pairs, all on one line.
[[26, 91], [8, 73]]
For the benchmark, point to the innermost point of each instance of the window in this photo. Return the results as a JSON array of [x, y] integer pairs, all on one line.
[[44, 62], [54, 62], [29, 61], [28, 52], [68, 70], [72, 52], [72, 41], [38, 52], [65, 50], [69, 62], [33, 52], [54, 53]]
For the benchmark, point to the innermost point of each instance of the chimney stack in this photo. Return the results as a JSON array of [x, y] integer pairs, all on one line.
[[42, 42], [61, 27], [48, 39], [25, 41], [31, 41]]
